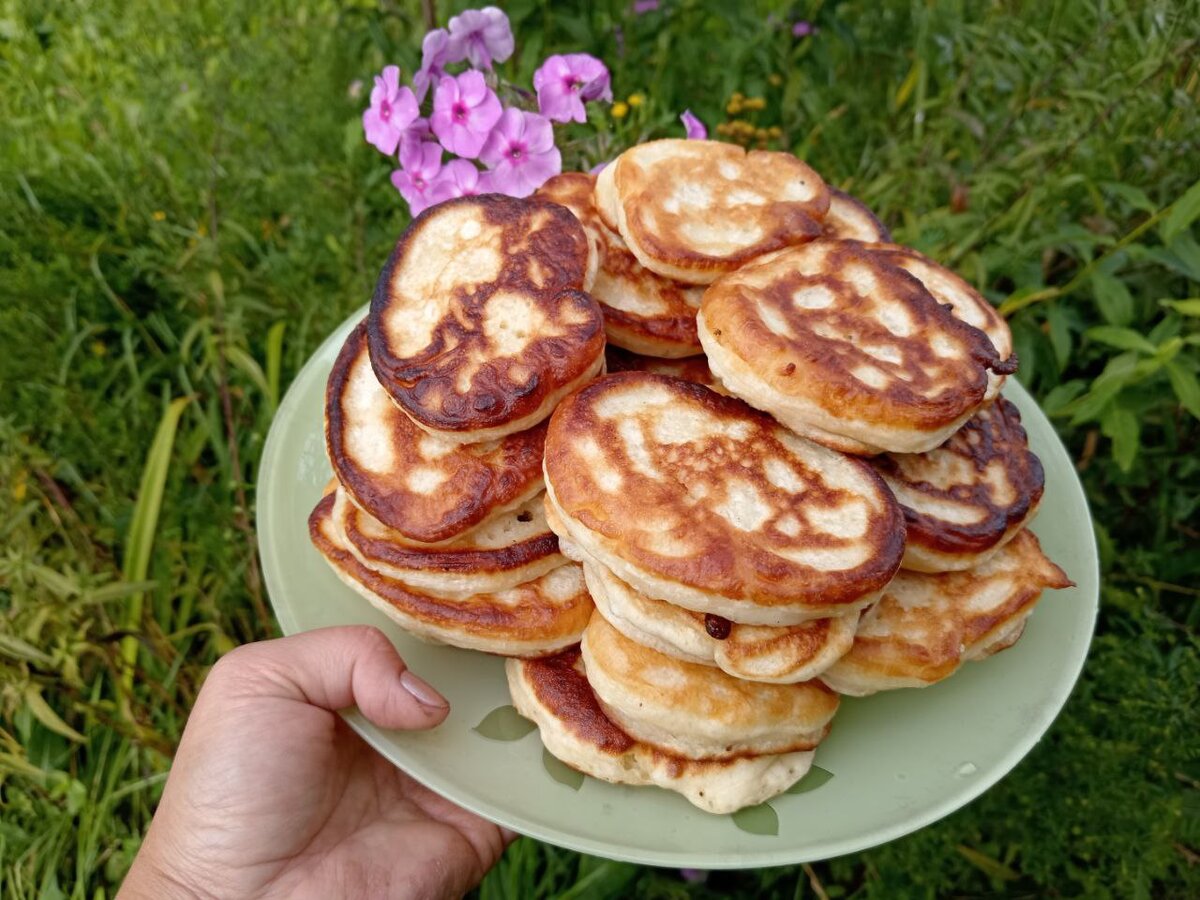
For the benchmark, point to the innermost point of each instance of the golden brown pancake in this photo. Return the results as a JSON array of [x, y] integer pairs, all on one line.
[[845, 348], [849, 219], [507, 550], [479, 324], [927, 625], [555, 694], [963, 301], [574, 191], [963, 500], [695, 710], [776, 655], [692, 368], [699, 500], [694, 210], [426, 488], [643, 312], [536, 618]]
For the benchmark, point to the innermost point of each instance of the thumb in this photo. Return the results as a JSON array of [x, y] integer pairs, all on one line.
[[332, 668]]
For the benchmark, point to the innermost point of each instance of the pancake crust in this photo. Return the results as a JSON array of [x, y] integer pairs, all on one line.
[[479, 324], [699, 711], [927, 625], [504, 552], [775, 655], [692, 368], [964, 500], [554, 693], [693, 210], [533, 619], [845, 348], [425, 488], [574, 191], [851, 219], [965, 303], [643, 312], [699, 500]]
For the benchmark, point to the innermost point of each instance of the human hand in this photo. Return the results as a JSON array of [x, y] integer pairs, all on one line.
[[273, 795]]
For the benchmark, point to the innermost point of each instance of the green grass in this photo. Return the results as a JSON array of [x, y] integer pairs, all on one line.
[[187, 207]]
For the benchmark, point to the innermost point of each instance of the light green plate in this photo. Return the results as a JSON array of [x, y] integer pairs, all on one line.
[[899, 760]]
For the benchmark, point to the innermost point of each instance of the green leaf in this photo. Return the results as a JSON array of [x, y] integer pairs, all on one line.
[[504, 723], [1134, 196], [1060, 335], [1183, 213], [761, 819], [993, 868], [561, 772], [1188, 307], [139, 540], [1113, 299], [1121, 338], [274, 360], [1185, 385], [814, 779], [1062, 394], [1122, 428], [47, 716]]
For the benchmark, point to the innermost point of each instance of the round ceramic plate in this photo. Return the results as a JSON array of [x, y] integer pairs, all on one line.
[[893, 763]]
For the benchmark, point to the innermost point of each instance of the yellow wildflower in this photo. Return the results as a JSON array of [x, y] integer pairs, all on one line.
[[636, 99], [620, 109], [775, 79], [158, 215]]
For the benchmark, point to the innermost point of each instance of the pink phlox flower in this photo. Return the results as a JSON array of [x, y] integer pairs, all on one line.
[[563, 83], [434, 57], [694, 127], [480, 36], [392, 110], [521, 153], [803, 28], [414, 136], [421, 162], [459, 178], [464, 111], [641, 7]]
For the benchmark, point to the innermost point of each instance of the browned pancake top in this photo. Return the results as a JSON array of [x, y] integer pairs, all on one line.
[[964, 496], [847, 330], [952, 290], [526, 614], [709, 206], [422, 486], [851, 219], [699, 488], [479, 315]]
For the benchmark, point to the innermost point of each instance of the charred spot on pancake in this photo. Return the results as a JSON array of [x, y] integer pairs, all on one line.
[[718, 628]]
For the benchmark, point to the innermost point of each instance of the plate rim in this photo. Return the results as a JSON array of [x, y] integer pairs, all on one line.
[[380, 740]]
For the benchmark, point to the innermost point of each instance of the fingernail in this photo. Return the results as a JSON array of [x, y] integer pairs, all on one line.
[[420, 689]]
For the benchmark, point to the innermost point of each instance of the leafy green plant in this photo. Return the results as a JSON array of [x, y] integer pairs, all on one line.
[[187, 208]]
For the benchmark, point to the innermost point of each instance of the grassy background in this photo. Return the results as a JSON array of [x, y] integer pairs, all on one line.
[[187, 207]]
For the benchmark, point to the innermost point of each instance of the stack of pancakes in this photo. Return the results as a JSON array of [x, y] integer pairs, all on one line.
[[797, 479], [435, 424]]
